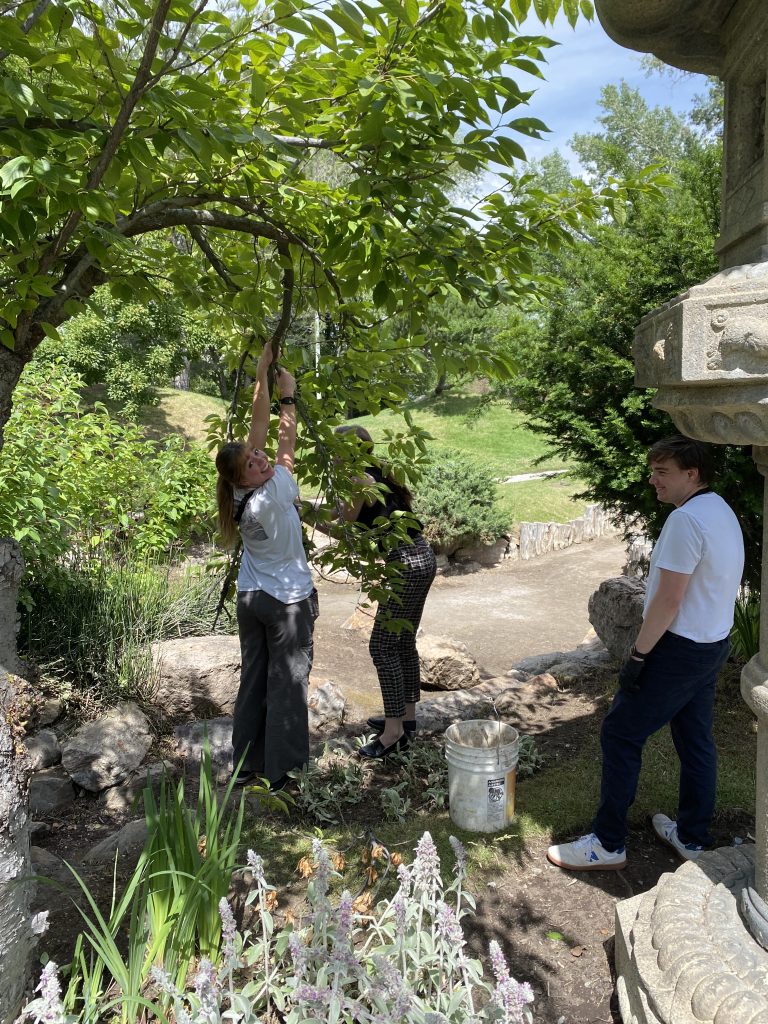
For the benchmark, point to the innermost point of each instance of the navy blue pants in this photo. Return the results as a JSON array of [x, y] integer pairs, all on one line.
[[677, 686]]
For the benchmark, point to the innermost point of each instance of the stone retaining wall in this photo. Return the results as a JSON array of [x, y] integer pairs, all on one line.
[[536, 539]]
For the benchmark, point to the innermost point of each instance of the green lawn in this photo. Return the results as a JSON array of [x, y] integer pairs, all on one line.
[[495, 436], [492, 434]]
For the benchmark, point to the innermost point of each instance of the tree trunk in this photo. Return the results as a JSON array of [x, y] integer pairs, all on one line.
[[17, 938], [442, 380], [181, 380]]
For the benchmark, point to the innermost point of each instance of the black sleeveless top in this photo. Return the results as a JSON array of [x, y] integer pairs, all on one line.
[[392, 503]]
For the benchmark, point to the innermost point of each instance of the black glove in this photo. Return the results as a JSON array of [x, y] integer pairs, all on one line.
[[631, 670]]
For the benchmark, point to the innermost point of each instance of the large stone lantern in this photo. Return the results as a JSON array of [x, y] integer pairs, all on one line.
[[694, 949]]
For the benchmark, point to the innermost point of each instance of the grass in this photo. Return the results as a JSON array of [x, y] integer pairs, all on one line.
[[177, 412], [495, 436], [550, 500], [491, 434]]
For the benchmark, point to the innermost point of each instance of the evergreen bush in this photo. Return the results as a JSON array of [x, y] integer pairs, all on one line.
[[456, 502]]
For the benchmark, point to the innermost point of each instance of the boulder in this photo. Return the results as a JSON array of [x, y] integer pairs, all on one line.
[[50, 790], [102, 753], [616, 612], [361, 618], [43, 749], [128, 841], [197, 676], [566, 665], [50, 711], [484, 554], [191, 736], [446, 664], [326, 707], [502, 697], [127, 796], [48, 865]]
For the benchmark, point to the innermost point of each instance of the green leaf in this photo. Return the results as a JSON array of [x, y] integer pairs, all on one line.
[[14, 169], [96, 206]]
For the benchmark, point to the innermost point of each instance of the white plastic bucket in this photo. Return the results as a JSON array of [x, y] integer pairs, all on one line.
[[482, 762]]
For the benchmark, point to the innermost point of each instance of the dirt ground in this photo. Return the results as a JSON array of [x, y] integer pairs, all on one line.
[[555, 928]]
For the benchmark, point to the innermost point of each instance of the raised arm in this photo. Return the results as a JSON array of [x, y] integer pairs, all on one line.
[[286, 427], [257, 436]]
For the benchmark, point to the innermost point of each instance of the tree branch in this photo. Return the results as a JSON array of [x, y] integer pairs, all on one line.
[[118, 130], [211, 256], [35, 15]]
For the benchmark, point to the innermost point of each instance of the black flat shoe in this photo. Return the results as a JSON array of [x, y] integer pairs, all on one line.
[[377, 724], [247, 778], [376, 751]]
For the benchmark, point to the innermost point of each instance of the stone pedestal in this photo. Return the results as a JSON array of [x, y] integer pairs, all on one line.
[[683, 955]]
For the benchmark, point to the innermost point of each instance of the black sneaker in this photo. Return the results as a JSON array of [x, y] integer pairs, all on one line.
[[377, 724]]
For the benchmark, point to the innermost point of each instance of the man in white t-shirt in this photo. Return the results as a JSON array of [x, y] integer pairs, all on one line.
[[670, 675]]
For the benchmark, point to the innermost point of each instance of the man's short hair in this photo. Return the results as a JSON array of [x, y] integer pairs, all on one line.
[[687, 453]]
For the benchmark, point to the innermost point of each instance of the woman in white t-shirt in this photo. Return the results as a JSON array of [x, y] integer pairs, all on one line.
[[276, 599]]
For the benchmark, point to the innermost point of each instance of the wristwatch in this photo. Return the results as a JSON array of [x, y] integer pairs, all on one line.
[[287, 400]]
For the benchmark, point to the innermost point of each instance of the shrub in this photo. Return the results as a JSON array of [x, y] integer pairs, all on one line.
[[745, 635], [73, 480], [456, 501]]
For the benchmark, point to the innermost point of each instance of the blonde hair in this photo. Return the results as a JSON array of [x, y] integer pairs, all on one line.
[[230, 463]]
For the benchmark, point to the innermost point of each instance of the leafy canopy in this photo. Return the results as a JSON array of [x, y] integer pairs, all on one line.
[[171, 142]]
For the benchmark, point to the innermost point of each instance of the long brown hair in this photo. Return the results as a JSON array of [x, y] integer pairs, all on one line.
[[230, 463], [404, 496]]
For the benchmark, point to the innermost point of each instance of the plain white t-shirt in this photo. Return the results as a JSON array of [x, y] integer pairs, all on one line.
[[702, 539], [273, 554]]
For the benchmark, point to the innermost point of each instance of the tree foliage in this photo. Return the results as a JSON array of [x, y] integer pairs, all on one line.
[[132, 348], [578, 384], [123, 133], [75, 480]]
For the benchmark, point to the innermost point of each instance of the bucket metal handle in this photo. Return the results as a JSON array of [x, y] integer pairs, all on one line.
[[492, 702]]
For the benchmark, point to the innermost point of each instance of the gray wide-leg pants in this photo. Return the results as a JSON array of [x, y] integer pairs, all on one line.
[[270, 728]]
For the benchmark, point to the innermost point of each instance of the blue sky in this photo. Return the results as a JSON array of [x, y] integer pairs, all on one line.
[[576, 71]]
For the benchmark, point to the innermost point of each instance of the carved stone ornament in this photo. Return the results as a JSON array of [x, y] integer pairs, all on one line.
[[683, 955], [707, 353], [685, 33]]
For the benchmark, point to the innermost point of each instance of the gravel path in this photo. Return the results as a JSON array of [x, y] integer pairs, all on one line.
[[502, 614]]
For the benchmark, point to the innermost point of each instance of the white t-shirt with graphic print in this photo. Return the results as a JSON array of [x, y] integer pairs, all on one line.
[[702, 539], [273, 554]]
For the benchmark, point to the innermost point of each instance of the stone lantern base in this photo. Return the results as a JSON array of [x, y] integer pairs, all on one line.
[[683, 952]]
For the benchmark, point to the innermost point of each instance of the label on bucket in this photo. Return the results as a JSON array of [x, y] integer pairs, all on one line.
[[496, 808]]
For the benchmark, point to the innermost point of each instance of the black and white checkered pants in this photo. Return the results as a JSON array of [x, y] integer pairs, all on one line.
[[394, 654]]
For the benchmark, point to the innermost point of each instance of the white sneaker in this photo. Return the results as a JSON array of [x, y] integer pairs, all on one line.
[[587, 854], [666, 830]]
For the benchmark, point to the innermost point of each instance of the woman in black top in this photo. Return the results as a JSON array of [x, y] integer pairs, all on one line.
[[394, 653]]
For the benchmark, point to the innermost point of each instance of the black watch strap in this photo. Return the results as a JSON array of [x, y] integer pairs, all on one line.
[[287, 400], [634, 653]]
